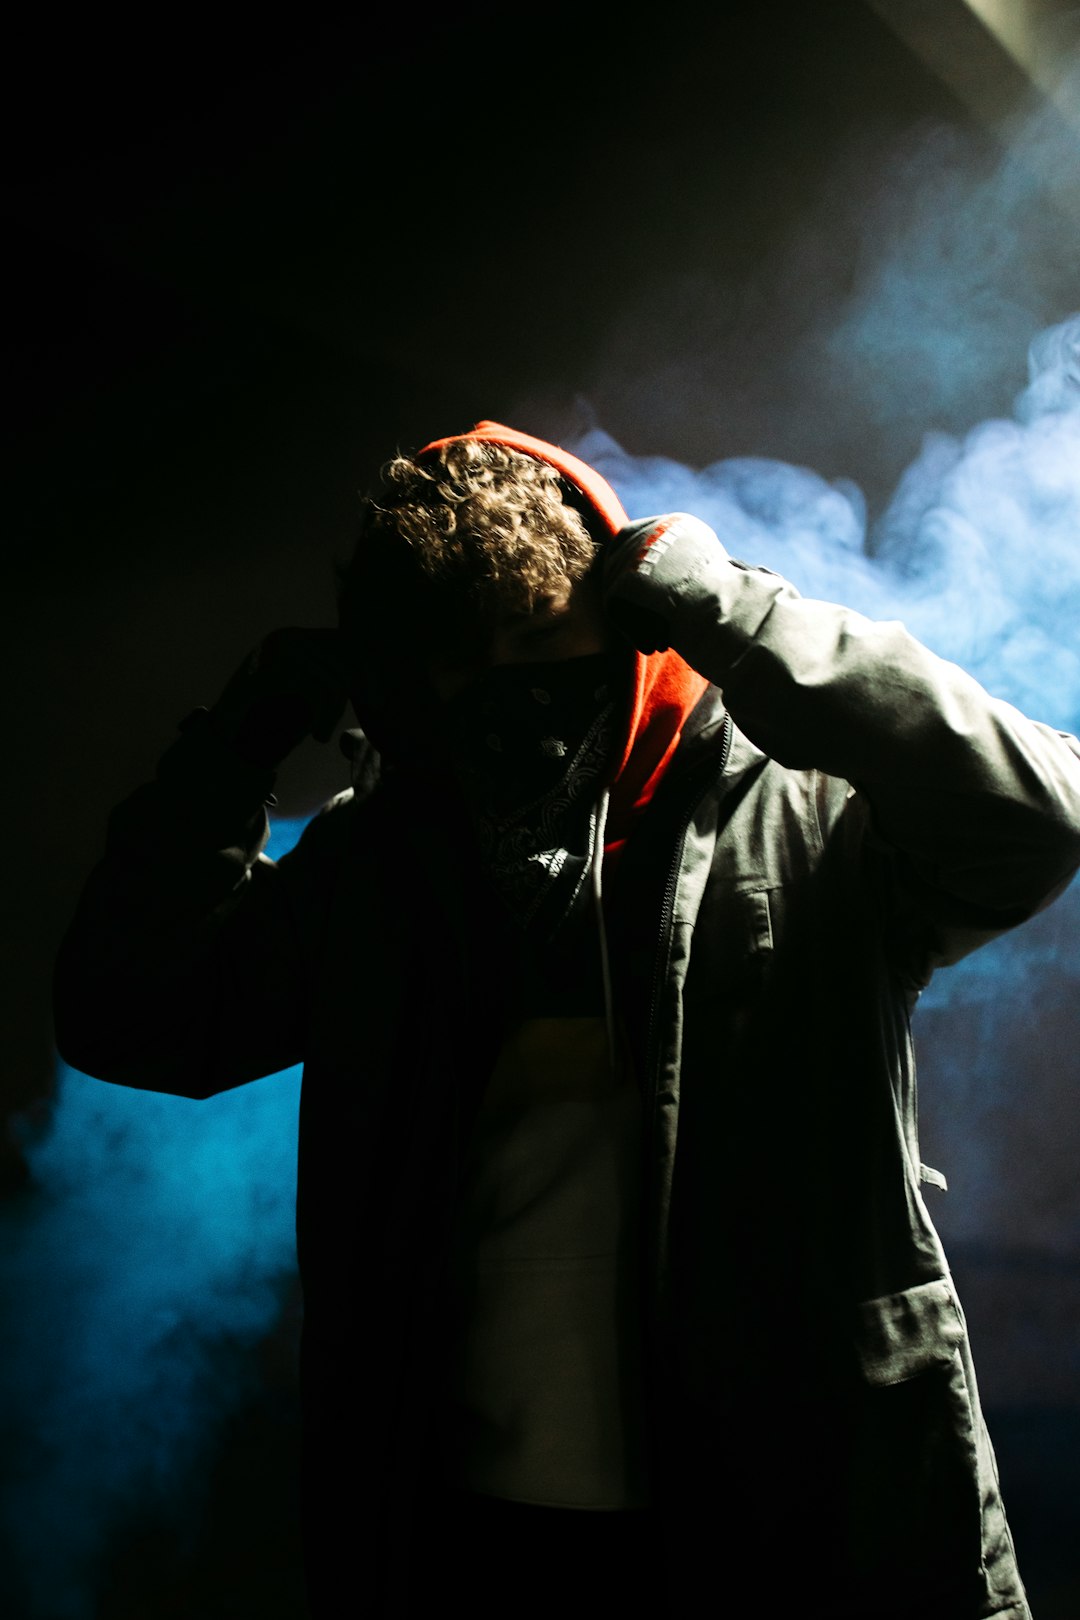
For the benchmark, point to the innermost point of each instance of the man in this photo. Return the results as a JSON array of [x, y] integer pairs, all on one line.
[[620, 1286]]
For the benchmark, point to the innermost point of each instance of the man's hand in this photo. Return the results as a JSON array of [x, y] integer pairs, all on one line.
[[652, 570], [293, 685]]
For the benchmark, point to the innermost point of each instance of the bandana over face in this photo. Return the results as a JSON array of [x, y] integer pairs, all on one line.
[[530, 746]]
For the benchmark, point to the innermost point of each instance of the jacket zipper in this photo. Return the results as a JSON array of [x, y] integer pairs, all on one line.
[[650, 1254], [668, 907]]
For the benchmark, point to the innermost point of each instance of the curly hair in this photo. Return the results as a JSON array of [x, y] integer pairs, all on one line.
[[471, 532]]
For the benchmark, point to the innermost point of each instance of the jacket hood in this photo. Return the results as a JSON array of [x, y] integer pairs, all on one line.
[[663, 689]]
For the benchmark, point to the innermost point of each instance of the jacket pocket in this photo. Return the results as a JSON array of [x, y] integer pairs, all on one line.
[[741, 948], [914, 1493], [901, 1335], [757, 922]]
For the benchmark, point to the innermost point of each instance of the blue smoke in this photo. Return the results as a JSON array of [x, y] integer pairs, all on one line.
[[284, 834], [978, 550], [153, 1253], [958, 248]]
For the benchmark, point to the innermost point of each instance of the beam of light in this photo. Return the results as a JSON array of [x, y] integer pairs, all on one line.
[[1015, 64], [1042, 40]]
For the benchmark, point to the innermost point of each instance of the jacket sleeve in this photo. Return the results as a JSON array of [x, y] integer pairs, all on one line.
[[980, 804], [186, 966]]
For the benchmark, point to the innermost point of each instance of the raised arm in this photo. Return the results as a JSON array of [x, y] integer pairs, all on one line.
[[983, 802], [185, 966]]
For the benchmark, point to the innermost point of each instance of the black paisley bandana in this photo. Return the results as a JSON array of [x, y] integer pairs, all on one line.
[[529, 745]]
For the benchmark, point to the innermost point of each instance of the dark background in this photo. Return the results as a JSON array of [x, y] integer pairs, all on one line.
[[246, 263]]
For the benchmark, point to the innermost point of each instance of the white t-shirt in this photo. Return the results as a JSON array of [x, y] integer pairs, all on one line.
[[546, 1401]]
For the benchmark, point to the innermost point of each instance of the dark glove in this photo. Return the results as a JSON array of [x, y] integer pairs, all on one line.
[[293, 685], [655, 577]]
